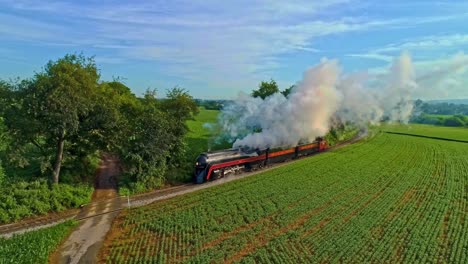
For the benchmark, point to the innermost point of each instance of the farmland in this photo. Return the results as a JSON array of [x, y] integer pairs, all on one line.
[[198, 139], [451, 133], [35, 246], [199, 136], [391, 198]]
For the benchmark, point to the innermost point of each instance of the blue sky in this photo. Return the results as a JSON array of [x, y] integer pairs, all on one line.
[[216, 49]]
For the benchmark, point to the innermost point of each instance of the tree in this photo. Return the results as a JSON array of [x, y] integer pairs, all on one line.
[[5, 96], [54, 104], [266, 89], [146, 148], [4, 140], [179, 106], [287, 91], [455, 121], [146, 140]]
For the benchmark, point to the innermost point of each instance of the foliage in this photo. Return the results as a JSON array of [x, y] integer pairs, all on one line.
[[147, 149], [179, 107], [441, 120], [287, 91], [266, 89], [339, 133], [393, 198], [199, 139], [456, 121], [154, 138], [50, 108], [442, 108], [35, 246], [62, 119], [211, 104], [4, 141], [24, 199]]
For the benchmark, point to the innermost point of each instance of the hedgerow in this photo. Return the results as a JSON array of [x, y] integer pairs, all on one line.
[[24, 199]]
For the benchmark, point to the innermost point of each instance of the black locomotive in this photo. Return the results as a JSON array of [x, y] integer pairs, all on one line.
[[217, 164]]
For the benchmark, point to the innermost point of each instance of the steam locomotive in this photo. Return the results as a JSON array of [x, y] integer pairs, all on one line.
[[217, 164]]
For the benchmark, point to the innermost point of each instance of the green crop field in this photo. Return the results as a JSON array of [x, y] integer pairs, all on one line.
[[452, 133], [35, 246], [392, 198], [198, 139], [199, 136]]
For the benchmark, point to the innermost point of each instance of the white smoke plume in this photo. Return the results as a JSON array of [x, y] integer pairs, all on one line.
[[396, 100], [322, 95], [304, 115]]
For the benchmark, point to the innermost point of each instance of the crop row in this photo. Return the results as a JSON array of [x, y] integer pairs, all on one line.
[[394, 198], [35, 246]]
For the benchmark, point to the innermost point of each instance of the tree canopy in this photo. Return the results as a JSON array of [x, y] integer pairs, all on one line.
[[65, 115], [287, 91], [53, 104], [266, 89]]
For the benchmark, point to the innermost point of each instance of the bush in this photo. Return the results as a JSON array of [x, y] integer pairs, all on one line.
[[340, 133], [441, 120], [23, 199], [456, 121], [128, 185], [2, 174]]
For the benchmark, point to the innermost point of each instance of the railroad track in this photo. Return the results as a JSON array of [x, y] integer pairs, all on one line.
[[49, 220], [139, 200]]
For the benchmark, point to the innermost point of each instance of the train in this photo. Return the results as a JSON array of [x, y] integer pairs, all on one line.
[[217, 164]]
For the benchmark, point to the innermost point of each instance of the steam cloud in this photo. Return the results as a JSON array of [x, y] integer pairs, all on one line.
[[322, 95]]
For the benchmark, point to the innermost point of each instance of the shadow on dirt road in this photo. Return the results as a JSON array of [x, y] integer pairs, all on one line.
[[84, 242]]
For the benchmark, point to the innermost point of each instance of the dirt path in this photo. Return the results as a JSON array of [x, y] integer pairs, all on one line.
[[84, 243]]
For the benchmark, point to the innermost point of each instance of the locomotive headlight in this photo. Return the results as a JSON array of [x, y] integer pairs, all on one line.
[[196, 163]]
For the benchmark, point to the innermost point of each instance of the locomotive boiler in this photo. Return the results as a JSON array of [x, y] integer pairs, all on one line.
[[217, 164]]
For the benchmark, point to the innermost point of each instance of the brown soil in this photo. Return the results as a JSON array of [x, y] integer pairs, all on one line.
[[116, 231], [105, 183]]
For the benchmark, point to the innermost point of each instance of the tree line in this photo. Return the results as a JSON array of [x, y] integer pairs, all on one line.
[[59, 121], [442, 114], [440, 108], [267, 88]]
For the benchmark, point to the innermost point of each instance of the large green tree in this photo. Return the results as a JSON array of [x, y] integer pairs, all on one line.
[[53, 106], [179, 106], [144, 140], [64, 115], [4, 140], [266, 89]]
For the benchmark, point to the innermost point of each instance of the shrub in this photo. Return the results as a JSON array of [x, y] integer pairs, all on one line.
[[23, 199]]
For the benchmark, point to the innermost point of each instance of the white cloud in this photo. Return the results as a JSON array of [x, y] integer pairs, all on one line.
[[435, 45], [373, 56], [441, 78], [231, 42], [429, 43]]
